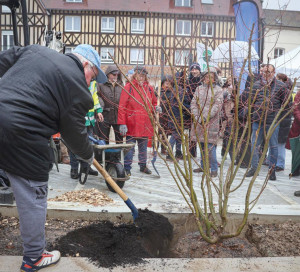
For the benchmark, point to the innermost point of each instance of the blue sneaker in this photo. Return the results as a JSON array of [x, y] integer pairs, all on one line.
[[47, 259]]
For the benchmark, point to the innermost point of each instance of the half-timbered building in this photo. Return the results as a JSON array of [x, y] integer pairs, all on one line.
[[132, 32]]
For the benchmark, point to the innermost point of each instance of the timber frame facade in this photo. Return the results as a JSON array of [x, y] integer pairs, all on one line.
[[37, 21], [130, 36]]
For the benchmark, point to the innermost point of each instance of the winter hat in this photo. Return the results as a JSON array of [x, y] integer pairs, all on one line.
[[211, 70], [140, 70], [195, 65], [88, 52], [112, 69]]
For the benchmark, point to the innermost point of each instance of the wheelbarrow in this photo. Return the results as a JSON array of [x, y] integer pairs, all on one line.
[[111, 157]]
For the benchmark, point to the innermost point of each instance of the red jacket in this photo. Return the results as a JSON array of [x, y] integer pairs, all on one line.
[[132, 111], [295, 129]]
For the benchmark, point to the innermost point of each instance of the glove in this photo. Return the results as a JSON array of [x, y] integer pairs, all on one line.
[[89, 161], [123, 130], [158, 109]]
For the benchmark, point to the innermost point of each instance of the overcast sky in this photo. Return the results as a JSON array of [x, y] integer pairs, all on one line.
[[279, 4]]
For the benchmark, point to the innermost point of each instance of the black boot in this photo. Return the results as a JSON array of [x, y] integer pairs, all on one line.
[[193, 149], [145, 170], [272, 175], [74, 173], [179, 155], [250, 172], [128, 173], [93, 172]]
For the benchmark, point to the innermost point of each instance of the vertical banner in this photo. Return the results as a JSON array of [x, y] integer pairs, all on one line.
[[246, 14], [202, 54]]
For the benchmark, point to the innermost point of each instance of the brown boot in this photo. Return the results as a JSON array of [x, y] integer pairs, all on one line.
[[198, 170], [214, 174]]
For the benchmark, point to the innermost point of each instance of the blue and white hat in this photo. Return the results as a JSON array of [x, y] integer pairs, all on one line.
[[88, 52]]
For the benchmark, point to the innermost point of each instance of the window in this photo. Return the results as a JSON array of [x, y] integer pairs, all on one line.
[[105, 57], [207, 29], [137, 25], [182, 57], [183, 3], [5, 9], [73, 23], [183, 27], [108, 24], [74, 1], [207, 1], [136, 56], [278, 52], [69, 49], [7, 39]]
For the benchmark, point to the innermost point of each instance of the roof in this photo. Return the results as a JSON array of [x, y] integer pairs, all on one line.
[[220, 7], [282, 18]]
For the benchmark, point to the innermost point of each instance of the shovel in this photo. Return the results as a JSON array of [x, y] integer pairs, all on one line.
[[117, 189]]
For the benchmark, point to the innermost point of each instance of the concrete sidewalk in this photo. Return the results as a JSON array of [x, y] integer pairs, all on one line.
[[286, 264], [162, 194]]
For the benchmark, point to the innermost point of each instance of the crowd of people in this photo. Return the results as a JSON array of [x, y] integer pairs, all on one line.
[[202, 104]]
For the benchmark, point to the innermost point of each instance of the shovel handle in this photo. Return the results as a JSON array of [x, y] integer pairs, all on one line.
[[117, 189], [111, 182]]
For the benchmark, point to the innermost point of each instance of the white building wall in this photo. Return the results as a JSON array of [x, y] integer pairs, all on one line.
[[274, 38]]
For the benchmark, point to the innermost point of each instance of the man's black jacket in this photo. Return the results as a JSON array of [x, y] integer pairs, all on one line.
[[42, 92], [267, 101]]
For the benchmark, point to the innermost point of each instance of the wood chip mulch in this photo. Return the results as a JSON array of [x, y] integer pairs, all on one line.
[[87, 196]]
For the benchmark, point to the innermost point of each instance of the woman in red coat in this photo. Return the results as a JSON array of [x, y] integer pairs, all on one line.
[[133, 117]]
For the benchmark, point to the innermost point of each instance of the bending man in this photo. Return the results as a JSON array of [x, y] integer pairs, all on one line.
[[42, 92]]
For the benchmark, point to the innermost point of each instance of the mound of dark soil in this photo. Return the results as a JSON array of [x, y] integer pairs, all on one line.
[[105, 244], [156, 231], [109, 245]]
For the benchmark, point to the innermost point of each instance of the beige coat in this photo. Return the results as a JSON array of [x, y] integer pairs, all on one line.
[[201, 103]]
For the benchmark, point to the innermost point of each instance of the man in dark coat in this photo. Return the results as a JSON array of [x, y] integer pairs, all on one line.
[[284, 126], [270, 97], [109, 94], [42, 93]]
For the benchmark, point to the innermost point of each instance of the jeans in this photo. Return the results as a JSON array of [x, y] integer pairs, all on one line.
[[175, 139], [281, 156], [142, 147], [273, 144], [212, 156]]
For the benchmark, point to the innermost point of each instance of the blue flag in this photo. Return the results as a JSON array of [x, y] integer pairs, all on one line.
[[246, 14]]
